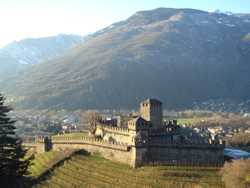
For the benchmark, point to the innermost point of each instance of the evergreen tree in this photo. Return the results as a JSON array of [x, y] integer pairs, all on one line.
[[13, 166], [57, 129]]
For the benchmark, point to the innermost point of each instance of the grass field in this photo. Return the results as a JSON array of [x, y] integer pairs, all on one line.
[[74, 135], [246, 148], [189, 120], [88, 171]]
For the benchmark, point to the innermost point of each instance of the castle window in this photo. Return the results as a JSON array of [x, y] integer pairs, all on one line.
[[146, 104]]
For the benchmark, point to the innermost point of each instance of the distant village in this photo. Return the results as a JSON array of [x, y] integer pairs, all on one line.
[[28, 127], [224, 106]]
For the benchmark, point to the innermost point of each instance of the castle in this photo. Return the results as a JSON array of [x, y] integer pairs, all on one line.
[[136, 140]]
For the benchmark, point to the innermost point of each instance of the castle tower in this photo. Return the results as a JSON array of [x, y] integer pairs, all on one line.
[[151, 110], [138, 125]]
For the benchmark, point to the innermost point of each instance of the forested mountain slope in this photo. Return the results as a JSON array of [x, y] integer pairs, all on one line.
[[179, 56]]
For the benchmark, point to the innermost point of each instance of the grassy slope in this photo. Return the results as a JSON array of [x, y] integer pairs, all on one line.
[[43, 162], [74, 135], [88, 171]]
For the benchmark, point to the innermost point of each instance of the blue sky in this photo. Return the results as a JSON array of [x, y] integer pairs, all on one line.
[[21, 19]]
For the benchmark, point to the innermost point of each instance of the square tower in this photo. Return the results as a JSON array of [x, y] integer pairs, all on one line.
[[151, 110]]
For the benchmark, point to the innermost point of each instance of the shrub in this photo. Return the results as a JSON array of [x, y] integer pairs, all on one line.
[[239, 139], [236, 173]]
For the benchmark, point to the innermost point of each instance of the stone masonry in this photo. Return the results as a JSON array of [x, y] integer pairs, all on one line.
[[141, 139]]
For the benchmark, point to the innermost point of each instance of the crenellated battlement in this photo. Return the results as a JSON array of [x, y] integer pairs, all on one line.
[[117, 130], [162, 132], [181, 143], [42, 139], [84, 140]]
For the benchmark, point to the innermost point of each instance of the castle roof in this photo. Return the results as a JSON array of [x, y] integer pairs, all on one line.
[[140, 136], [150, 101], [138, 120], [170, 126]]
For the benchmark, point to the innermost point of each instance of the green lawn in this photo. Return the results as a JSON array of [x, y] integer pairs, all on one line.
[[185, 131], [189, 120], [74, 135], [246, 148]]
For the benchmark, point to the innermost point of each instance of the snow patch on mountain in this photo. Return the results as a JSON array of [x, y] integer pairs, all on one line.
[[22, 62], [220, 12], [30, 51]]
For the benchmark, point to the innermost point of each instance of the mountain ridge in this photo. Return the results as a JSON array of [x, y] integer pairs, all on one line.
[[179, 56], [30, 51]]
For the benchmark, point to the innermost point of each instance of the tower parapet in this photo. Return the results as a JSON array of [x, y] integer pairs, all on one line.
[[138, 124], [151, 110]]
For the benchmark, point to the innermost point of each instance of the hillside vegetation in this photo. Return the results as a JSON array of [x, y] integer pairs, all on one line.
[[89, 171], [178, 56], [46, 161]]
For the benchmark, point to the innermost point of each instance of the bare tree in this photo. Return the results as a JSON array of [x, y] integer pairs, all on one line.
[[91, 117], [240, 139], [236, 173]]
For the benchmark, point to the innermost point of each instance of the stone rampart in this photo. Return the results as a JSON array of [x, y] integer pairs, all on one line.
[[141, 150], [117, 130], [30, 146], [91, 141], [116, 151], [211, 151], [181, 143], [161, 132], [116, 134]]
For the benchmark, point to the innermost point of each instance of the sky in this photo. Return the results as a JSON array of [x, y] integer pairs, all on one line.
[[21, 19]]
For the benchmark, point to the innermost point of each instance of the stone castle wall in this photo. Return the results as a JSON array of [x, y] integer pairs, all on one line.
[[30, 146], [101, 148], [116, 134], [181, 151], [123, 120], [139, 151], [117, 151]]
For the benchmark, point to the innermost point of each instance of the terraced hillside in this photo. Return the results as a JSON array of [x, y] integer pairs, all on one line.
[[89, 171], [42, 162], [45, 161]]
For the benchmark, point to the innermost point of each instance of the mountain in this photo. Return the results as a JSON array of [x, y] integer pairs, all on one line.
[[220, 12], [178, 56], [27, 52]]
